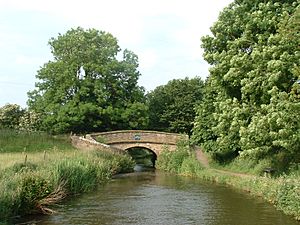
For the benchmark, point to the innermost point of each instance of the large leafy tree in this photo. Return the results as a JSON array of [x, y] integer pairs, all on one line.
[[172, 106], [10, 115], [88, 86], [254, 53]]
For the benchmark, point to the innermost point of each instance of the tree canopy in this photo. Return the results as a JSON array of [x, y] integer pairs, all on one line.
[[251, 106], [10, 115], [88, 86], [171, 106]]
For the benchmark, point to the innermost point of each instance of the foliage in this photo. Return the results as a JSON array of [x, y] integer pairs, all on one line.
[[251, 102], [32, 189], [181, 161], [171, 106], [29, 121], [142, 156], [10, 115], [86, 87], [120, 163]]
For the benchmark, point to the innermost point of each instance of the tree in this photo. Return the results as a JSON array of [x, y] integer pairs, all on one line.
[[274, 130], [171, 106], [29, 121], [251, 53], [10, 115], [85, 87]]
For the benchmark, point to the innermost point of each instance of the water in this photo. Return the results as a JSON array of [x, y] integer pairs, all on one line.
[[146, 198]]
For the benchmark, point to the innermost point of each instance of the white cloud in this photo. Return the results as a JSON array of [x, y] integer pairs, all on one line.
[[28, 60]]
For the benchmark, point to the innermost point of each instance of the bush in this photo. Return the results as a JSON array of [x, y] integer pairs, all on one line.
[[182, 160], [32, 189], [120, 163], [10, 115]]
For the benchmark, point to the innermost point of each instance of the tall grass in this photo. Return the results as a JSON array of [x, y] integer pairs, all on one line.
[[31, 187], [32, 181], [22, 141], [181, 161]]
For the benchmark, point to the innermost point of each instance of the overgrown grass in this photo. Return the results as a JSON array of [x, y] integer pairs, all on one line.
[[31, 187], [181, 161], [282, 191], [257, 167], [32, 181], [22, 141]]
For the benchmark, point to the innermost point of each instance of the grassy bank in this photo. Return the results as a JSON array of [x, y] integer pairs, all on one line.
[[283, 191], [22, 141], [32, 182]]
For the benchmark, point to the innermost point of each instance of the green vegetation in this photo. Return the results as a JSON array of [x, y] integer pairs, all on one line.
[[100, 139], [251, 106], [12, 116], [246, 116], [249, 118], [86, 87], [23, 141], [33, 182], [142, 156], [282, 191], [171, 106], [181, 161]]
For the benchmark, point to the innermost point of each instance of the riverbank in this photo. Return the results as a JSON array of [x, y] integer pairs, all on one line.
[[33, 181], [283, 191]]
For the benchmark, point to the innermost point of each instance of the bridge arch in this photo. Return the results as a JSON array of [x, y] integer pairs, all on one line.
[[125, 139], [142, 155], [154, 140]]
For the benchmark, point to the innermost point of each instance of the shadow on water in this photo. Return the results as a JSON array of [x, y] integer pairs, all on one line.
[[143, 168], [144, 159]]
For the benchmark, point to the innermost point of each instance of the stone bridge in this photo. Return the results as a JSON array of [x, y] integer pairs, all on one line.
[[127, 139], [124, 140]]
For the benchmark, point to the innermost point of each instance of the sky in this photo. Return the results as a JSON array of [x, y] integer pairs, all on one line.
[[165, 34]]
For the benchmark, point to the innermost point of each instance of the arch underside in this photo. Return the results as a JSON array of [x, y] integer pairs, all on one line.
[[141, 147], [156, 148], [152, 147]]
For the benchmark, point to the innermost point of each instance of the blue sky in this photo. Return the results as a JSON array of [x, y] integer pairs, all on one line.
[[165, 34]]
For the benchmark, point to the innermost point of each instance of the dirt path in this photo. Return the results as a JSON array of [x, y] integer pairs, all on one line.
[[205, 162]]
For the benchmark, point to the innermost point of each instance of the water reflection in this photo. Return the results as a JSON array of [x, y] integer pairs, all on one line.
[[159, 198]]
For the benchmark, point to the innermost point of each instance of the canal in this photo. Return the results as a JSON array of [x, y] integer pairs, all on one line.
[[155, 197]]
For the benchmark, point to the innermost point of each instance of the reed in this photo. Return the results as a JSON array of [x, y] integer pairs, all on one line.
[[32, 181]]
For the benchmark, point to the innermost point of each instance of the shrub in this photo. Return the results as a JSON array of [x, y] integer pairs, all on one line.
[[171, 161]]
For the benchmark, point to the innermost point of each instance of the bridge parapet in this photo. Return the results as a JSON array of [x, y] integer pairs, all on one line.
[[139, 136]]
